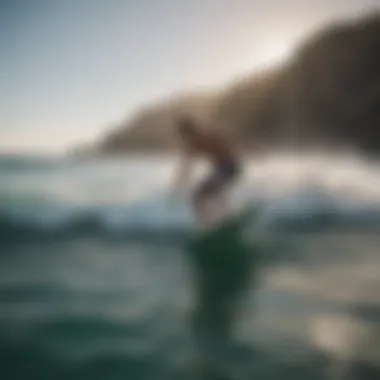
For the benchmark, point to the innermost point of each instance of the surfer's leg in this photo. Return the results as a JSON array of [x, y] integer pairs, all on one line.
[[227, 175], [200, 208], [203, 198], [211, 200]]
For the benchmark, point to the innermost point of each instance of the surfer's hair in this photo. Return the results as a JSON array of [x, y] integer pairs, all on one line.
[[186, 125]]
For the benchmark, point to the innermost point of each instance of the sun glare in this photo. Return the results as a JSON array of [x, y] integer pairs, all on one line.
[[270, 53]]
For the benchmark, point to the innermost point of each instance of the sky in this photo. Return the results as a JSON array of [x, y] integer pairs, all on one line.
[[70, 69]]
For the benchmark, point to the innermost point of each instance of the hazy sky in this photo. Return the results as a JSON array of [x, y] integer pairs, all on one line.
[[69, 68]]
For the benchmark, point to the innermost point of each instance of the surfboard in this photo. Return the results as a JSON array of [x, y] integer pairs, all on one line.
[[233, 222], [222, 273], [227, 235]]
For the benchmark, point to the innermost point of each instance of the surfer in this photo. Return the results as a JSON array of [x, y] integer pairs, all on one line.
[[218, 151]]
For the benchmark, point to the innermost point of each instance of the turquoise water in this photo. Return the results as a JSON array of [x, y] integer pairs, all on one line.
[[99, 279]]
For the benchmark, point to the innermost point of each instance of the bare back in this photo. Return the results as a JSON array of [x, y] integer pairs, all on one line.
[[211, 145]]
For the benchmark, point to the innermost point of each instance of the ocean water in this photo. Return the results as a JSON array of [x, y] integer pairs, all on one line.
[[103, 276]]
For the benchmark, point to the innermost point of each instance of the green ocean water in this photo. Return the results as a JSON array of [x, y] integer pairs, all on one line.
[[99, 281]]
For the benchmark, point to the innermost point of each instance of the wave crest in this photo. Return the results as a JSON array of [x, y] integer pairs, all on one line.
[[51, 223]]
